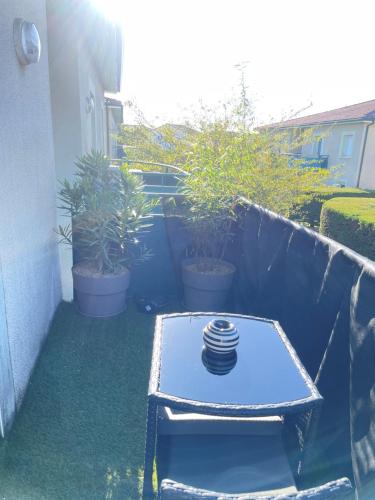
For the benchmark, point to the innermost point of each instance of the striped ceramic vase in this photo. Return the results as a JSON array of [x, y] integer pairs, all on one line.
[[220, 336]]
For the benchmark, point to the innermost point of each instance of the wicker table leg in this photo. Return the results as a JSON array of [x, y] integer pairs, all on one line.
[[310, 441], [148, 492]]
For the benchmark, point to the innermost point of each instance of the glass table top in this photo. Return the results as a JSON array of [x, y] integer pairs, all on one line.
[[260, 372]]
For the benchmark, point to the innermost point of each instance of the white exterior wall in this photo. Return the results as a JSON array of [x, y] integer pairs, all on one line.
[[93, 137], [367, 179], [44, 126], [348, 168], [73, 77], [28, 248]]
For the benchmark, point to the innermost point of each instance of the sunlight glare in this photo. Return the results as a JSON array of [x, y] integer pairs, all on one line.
[[112, 9]]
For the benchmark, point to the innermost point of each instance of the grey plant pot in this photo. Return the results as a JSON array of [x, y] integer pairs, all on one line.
[[206, 291], [100, 295]]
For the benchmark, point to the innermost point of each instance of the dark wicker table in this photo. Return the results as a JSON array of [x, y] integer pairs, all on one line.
[[265, 378]]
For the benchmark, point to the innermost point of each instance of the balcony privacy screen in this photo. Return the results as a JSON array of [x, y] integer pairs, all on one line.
[[323, 294]]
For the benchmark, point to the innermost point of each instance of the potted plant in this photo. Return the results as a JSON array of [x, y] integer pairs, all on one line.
[[207, 277], [107, 207]]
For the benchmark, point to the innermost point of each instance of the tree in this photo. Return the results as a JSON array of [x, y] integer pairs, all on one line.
[[228, 157]]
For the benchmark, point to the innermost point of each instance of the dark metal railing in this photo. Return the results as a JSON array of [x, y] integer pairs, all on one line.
[[166, 166], [320, 161], [167, 181]]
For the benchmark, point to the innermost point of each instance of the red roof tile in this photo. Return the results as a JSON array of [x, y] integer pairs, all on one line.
[[358, 112]]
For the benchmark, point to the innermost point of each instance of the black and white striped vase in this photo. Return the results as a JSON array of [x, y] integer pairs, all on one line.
[[220, 336]]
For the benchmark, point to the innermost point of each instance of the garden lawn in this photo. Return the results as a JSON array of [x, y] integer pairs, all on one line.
[[80, 432]]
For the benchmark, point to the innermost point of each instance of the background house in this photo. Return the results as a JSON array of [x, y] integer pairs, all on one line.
[[346, 136], [50, 112]]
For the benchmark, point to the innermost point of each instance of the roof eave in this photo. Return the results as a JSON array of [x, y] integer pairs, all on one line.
[[318, 124]]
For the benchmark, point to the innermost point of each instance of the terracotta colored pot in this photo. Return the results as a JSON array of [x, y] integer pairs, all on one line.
[[100, 295], [206, 290]]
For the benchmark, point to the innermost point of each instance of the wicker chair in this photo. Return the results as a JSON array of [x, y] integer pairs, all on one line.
[[171, 490], [225, 463]]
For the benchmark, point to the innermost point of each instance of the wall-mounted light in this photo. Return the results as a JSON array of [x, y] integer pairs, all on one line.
[[26, 41]]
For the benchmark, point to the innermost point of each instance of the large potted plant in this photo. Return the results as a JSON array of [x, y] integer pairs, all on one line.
[[207, 277], [107, 207]]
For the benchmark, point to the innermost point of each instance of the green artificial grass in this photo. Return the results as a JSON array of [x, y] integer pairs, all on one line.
[[81, 429]]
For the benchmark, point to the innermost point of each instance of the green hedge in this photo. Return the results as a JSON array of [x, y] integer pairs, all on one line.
[[309, 213], [351, 222]]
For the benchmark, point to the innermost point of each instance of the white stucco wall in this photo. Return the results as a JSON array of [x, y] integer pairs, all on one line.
[[66, 121], [347, 167], [93, 137], [28, 248], [367, 179], [73, 76]]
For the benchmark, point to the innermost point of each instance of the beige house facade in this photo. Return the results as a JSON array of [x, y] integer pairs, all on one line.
[[345, 139], [367, 172], [51, 110], [343, 144]]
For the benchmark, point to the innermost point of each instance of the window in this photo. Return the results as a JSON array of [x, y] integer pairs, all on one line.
[[346, 147]]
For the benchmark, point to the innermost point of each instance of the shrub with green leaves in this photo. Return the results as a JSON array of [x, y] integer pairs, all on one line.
[[107, 207], [351, 221], [209, 221], [228, 157], [166, 144], [309, 211]]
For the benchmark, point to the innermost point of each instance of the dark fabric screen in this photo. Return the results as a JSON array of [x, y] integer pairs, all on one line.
[[362, 381], [323, 295]]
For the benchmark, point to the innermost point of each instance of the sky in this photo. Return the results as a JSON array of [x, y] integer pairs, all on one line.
[[299, 54]]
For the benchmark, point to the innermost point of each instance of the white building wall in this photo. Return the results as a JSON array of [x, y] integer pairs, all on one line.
[[66, 118], [347, 168], [76, 131], [367, 179], [93, 123], [28, 248]]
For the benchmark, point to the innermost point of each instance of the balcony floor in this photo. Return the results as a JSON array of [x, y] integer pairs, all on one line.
[[80, 431]]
